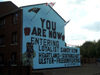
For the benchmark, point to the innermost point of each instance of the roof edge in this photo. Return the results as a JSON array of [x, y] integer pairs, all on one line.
[[42, 4], [10, 12], [32, 5], [57, 13]]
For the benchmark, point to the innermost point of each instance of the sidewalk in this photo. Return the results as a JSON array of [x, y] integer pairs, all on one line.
[[86, 69]]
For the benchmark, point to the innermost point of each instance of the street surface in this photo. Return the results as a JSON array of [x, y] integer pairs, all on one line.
[[86, 69]]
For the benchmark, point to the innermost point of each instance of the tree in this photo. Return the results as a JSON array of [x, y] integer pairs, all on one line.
[[88, 49], [98, 49]]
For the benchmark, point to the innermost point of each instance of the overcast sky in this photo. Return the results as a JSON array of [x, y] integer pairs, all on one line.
[[84, 18]]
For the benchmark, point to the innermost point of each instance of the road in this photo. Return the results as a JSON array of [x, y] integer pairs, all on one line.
[[86, 69]]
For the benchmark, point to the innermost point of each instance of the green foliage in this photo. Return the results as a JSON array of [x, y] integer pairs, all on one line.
[[98, 49], [25, 59], [90, 49]]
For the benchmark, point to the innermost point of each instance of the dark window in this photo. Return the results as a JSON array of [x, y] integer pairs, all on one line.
[[2, 40], [12, 58], [1, 59], [2, 21], [15, 18], [14, 37]]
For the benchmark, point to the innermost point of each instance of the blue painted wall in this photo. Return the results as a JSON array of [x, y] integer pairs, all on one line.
[[43, 39]]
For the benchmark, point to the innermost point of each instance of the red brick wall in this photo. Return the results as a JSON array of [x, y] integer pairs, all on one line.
[[15, 70], [7, 31]]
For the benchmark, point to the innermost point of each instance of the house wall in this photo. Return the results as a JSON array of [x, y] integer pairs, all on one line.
[[43, 44], [47, 27], [7, 30]]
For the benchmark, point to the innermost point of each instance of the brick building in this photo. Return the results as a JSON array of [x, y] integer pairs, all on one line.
[[10, 34], [10, 40]]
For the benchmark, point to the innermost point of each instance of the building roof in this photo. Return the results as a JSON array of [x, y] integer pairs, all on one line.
[[7, 8]]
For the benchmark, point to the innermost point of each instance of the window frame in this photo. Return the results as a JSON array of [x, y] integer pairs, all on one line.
[[14, 38], [2, 21], [2, 59], [2, 40], [13, 57], [15, 18]]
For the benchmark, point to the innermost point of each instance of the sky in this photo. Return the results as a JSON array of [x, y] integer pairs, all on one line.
[[84, 16]]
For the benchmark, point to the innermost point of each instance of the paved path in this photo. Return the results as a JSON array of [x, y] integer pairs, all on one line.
[[86, 69]]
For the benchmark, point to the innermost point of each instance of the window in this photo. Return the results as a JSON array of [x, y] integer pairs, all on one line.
[[2, 21], [2, 40], [14, 37], [15, 18], [1, 59], [13, 58]]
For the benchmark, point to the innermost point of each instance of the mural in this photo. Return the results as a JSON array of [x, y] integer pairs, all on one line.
[[44, 40]]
